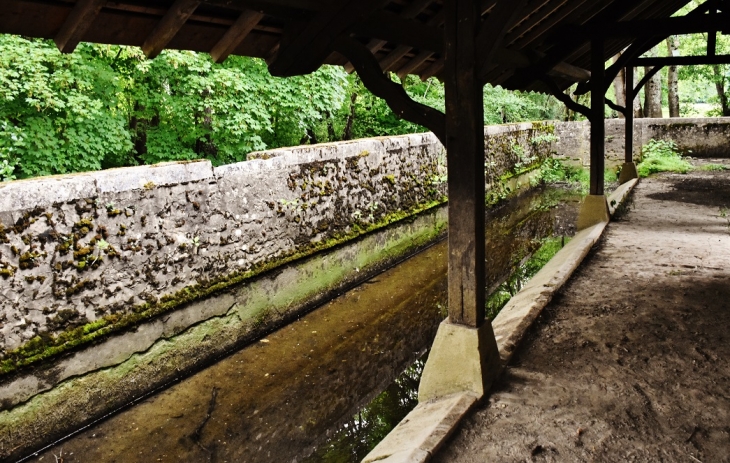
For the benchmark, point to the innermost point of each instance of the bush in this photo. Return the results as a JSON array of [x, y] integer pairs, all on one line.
[[661, 156]]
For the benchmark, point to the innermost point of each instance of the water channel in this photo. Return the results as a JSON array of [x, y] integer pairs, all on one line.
[[328, 386]]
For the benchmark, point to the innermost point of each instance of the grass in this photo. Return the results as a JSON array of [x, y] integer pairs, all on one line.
[[661, 156], [553, 171], [714, 167]]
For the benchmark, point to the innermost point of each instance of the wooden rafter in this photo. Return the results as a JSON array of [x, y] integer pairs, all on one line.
[[307, 47], [235, 35], [411, 11], [641, 46], [493, 29], [168, 26], [392, 28], [681, 60], [394, 95], [78, 22]]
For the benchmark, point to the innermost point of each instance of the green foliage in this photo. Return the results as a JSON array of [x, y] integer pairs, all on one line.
[[554, 170], [58, 113], [502, 106], [714, 167], [661, 156], [108, 106], [698, 77]]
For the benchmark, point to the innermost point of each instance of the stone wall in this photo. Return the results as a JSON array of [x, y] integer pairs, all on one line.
[[700, 137], [86, 255]]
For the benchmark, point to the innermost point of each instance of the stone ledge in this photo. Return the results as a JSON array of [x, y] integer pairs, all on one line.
[[422, 432]]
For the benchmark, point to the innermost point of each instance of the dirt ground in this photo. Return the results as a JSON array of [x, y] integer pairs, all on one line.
[[631, 360]]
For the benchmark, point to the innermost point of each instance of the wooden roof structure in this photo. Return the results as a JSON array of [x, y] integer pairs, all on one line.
[[296, 36]]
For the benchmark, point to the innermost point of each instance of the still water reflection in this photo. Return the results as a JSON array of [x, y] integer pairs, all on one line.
[[299, 390]]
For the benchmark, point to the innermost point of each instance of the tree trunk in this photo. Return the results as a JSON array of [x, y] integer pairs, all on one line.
[[653, 92], [619, 85], [720, 86], [653, 95], [672, 77], [347, 133]]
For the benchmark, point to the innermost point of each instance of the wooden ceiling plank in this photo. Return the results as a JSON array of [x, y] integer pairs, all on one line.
[[236, 34], [414, 63], [391, 28], [433, 69], [78, 22], [390, 60], [411, 11], [493, 30], [168, 26]]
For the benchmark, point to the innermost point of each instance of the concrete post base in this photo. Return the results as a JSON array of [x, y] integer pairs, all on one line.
[[461, 359], [593, 211], [628, 172]]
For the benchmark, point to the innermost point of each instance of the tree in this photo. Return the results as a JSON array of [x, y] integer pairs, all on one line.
[[673, 78], [619, 85], [653, 92]]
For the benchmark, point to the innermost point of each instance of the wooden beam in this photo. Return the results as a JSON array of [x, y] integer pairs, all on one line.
[[572, 72], [235, 35], [597, 119], [629, 115], [381, 86], [565, 99], [681, 60], [411, 11], [414, 63], [641, 46], [304, 51], [387, 63], [434, 69], [660, 27], [168, 26], [618, 108], [81, 17], [493, 30], [567, 44], [392, 28], [465, 161]]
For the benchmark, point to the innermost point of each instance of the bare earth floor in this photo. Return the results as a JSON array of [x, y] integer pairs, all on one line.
[[631, 360]]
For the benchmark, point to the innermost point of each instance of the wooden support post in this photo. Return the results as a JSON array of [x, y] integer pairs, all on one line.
[[628, 170], [464, 356], [465, 158], [629, 157], [598, 129], [595, 207]]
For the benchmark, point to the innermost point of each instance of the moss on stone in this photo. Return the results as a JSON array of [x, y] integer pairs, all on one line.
[[45, 346]]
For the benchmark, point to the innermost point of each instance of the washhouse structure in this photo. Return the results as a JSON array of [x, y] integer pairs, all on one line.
[[531, 45]]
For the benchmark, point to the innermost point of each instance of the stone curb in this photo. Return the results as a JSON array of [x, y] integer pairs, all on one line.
[[425, 429]]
